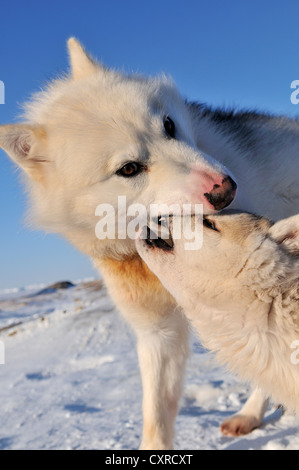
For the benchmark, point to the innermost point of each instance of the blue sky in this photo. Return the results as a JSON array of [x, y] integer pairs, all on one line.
[[242, 53]]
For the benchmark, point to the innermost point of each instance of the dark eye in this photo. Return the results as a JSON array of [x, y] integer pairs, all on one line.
[[130, 169], [210, 224], [169, 127]]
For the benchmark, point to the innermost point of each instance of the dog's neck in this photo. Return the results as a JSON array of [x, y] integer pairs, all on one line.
[[252, 332], [229, 310], [246, 308]]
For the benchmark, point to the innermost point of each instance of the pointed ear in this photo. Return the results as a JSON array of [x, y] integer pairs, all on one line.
[[81, 64], [286, 233], [26, 145]]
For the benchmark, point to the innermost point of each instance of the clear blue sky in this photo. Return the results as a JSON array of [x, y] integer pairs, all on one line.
[[224, 52]]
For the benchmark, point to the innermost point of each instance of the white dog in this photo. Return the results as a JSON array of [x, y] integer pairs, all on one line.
[[97, 134], [241, 292]]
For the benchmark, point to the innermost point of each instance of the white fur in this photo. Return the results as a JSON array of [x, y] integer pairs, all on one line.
[[77, 132], [241, 292]]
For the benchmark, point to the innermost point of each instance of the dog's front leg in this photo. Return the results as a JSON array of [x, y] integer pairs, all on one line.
[[162, 335], [162, 351]]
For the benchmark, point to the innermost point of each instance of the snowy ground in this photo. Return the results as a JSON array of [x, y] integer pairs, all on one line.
[[71, 381]]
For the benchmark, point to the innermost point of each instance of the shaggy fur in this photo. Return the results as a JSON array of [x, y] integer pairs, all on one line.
[[79, 131], [241, 293]]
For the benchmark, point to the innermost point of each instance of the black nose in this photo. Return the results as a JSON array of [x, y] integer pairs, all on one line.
[[153, 240], [222, 195]]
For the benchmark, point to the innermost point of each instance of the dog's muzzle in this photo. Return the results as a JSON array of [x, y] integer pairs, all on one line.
[[153, 240]]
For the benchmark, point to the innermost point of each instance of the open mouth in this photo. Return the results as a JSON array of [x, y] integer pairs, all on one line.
[[153, 240]]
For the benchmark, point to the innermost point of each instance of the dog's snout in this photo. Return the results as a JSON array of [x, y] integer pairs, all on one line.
[[160, 221], [222, 194], [153, 240], [148, 235]]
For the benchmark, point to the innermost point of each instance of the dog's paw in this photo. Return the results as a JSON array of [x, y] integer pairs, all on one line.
[[238, 425]]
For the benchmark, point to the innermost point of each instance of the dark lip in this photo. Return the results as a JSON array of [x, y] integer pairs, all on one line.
[[152, 240], [220, 200]]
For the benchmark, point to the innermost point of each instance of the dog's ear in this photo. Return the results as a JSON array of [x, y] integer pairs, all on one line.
[[26, 145], [82, 64], [286, 233]]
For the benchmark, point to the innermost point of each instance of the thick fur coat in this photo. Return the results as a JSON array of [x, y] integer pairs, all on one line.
[[80, 138]]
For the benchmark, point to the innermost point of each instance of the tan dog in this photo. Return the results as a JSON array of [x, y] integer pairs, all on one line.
[[241, 292], [95, 135]]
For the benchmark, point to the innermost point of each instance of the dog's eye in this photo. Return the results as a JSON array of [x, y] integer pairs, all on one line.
[[130, 169], [169, 127], [210, 224]]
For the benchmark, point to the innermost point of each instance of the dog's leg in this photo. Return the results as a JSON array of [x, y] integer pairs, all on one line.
[[162, 352], [162, 334], [249, 417]]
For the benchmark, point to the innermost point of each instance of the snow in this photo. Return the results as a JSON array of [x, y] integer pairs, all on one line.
[[71, 380]]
